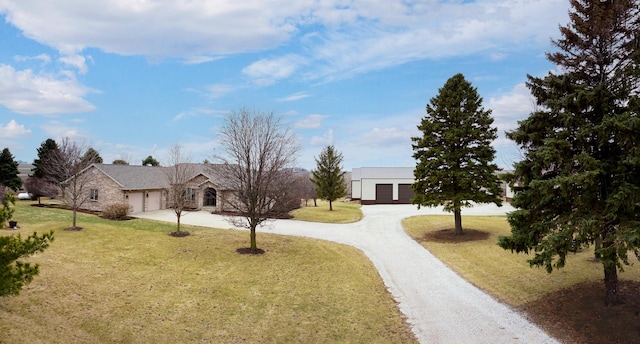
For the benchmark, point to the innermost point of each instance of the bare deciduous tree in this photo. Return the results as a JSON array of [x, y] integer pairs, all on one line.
[[260, 154], [63, 166], [179, 173], [39, 187]]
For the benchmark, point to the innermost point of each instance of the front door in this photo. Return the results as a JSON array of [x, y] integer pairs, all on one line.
[[210, 197]]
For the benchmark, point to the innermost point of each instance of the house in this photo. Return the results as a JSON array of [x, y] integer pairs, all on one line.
[[146, 188], [391, 185]]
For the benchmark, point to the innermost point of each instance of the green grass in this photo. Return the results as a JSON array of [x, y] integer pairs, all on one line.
[[503, 274], [130, 282], [343, 212]]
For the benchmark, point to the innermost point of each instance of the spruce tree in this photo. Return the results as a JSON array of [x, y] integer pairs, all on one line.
[[580, 175], [92, 156], [454, 154], [43, 152], [9, 171], [328, 176]]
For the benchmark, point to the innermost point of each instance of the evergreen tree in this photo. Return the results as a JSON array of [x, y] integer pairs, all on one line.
[[120, 162], [454, 155], [9, 171], [13, 273], [328, 176], [151, 161], [581, 169], [43, 152], [92, 156]]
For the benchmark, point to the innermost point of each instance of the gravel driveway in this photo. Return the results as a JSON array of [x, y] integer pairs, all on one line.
[[440, 306]]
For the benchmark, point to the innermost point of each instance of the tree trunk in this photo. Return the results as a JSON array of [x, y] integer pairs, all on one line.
[[254, 246], [73, 225], [315, 202], [458, 221], [611, 285], [178, 229], [330, 205]]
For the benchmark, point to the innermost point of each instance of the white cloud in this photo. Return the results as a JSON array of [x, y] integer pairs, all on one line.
[[59, 130], [152, 28], [509, 108], [43, 58], [198, 59], [218, 90], [77, 61], [387, 137], [269, 71], [27, 93], [311, 121], [332, 38], [326, 139], [13, 130], [294, 97]]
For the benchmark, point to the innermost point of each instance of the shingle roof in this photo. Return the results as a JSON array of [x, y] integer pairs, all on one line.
[[134, 177], [131, 177]]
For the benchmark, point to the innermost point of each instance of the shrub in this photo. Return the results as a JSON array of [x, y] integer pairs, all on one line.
[[116, 211]]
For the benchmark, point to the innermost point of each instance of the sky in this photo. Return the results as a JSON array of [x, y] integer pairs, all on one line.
[[131, 78]]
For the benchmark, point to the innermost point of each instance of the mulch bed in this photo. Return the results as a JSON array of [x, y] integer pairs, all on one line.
[[448, 236]]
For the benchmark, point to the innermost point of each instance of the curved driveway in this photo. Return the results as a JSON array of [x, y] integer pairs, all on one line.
[[440, 306]]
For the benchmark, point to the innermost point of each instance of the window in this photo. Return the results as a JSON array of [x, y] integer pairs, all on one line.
[[93, 195], [190, 195]]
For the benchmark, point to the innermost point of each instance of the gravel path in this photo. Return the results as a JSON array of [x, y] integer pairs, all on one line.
[[440, 306]]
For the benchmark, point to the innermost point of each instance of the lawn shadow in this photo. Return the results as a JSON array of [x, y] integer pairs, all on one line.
[[447, 236]]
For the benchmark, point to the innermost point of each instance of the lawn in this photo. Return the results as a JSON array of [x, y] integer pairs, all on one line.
[[343, 212], [130, 282], [503, 274], [568, 303]]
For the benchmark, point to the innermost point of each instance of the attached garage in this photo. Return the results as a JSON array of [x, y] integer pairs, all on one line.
[[154, 200], [135, 200], [384, 193]]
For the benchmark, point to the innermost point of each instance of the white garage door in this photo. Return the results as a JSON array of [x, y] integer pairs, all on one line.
[[135, 201], [153, 201]]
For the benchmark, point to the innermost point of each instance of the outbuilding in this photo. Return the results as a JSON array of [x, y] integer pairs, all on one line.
[[382, 185]]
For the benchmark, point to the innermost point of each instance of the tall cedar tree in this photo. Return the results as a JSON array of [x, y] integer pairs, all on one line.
[[328, 176], [43, 152], [9, 171], [580, 175], [454, 155], [260, 152]]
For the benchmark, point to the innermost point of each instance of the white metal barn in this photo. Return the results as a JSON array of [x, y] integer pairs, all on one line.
[[382, 185], [391, 185]]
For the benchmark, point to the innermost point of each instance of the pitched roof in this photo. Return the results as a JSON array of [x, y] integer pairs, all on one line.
[[133, 177]]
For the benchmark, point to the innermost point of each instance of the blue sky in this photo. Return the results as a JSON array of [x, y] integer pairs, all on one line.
[[131, 78]]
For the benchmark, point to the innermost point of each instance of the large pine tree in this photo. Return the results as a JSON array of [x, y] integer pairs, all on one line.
[[9, 171], [328, 176], [581, 169], [46, 147], [454, 154]]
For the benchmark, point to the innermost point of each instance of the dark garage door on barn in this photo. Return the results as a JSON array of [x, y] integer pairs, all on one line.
[[404, 193], [384, 193]]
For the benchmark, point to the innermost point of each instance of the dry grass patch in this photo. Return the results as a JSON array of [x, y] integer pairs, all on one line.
[[343, 212], [503, 274], [130, 282]]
